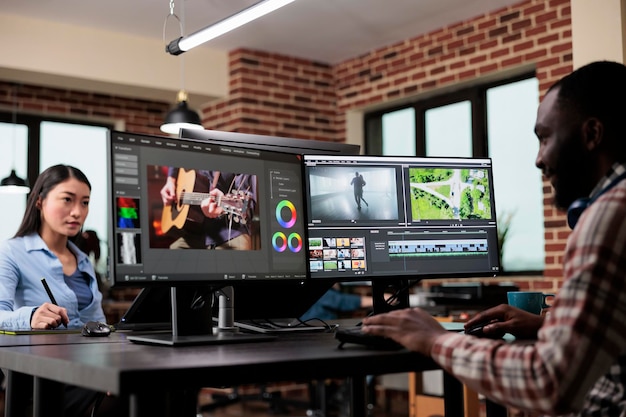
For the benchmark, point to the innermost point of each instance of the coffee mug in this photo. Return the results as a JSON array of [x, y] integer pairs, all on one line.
[[533, 302]]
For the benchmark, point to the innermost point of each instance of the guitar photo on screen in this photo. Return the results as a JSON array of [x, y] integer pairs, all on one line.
[[203, 209]]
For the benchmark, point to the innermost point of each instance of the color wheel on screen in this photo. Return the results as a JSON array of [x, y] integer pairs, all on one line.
[[286, 214], [281, 242], [286, 217]]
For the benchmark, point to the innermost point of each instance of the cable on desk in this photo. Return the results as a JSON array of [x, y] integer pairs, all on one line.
[[97, 403], [307, 322]]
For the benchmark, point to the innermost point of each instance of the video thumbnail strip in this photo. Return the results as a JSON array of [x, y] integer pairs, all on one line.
[[337, 254], [457, 247]]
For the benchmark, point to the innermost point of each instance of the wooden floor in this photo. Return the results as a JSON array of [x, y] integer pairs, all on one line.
[[395, 405], [255, 409]]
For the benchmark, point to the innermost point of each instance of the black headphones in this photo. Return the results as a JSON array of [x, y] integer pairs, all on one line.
[[576, 209]]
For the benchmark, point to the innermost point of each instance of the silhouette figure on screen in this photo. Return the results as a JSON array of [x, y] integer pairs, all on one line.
[[358, 183]]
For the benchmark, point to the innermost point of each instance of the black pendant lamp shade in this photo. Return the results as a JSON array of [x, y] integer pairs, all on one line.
[[181, 117], [14, 184]]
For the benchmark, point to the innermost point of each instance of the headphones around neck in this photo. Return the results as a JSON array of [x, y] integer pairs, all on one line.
[[577, 208]]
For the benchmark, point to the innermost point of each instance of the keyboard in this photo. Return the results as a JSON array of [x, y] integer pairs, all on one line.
[[354, 335]]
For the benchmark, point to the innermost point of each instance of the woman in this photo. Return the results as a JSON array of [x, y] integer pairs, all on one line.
[[56, 210], [42, 248]]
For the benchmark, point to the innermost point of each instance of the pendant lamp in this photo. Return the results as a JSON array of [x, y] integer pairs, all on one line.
[[181, 117], [14, 184]]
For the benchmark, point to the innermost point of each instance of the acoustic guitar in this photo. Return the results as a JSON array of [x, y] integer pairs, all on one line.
[[185, 213]]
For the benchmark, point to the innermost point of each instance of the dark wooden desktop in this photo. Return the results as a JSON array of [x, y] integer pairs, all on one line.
[[167, 377]]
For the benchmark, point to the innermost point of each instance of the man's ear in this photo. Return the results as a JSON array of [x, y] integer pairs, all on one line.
[[593, 131]]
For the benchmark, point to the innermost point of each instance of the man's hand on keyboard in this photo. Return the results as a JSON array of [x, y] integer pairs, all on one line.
[[413, 328]]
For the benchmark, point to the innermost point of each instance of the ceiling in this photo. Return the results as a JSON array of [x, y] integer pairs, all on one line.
[[328, 31]]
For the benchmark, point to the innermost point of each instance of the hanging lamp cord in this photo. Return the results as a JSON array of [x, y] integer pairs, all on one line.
[[182, 59]]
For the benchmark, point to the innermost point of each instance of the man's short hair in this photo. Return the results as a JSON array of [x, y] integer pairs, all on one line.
[[597, 90]]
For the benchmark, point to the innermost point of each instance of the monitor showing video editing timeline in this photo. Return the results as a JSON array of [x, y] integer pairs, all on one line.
[[378, 217]]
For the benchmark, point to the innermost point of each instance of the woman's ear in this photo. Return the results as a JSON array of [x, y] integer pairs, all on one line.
[[593, 131]]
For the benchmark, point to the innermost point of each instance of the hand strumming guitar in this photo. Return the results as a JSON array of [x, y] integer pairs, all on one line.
[[168, 192], [210, 206]]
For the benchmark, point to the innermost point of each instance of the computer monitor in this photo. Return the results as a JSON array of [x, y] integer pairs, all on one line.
[[256, 195], [399, 219]]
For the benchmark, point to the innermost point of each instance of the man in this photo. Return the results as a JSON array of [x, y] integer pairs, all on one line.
[[577, 364], [358, 183]]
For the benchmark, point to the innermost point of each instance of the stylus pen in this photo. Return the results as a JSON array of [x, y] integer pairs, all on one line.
[[52, 299]]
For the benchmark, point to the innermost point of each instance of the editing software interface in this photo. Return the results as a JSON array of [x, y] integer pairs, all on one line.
[[376, 216], [187, 211]]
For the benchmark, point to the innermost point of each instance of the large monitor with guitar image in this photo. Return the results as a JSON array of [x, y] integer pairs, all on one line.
[[193, 215]]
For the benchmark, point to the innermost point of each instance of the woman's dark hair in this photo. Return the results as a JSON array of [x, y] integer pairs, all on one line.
[[46, 181]]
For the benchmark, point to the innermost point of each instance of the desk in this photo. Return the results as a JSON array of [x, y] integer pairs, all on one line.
[[141, 373]]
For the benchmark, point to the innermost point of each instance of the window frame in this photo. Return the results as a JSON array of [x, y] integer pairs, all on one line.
[[33, 124], [475, 94]]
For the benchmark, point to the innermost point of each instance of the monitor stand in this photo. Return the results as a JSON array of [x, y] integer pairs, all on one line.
[[382, 287], [192, 322]]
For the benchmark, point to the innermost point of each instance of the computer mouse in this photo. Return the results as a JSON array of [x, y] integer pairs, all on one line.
[[96, 329], [477, 330]]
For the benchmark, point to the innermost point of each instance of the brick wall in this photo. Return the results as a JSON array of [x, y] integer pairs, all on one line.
[[285, 96], [140, 116], [276, 95]]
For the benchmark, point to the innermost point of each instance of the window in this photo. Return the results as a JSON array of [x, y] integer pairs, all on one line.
[[449, 130], [494, 120], [399, 125], [511, 111], [13, 155], [42, 143]]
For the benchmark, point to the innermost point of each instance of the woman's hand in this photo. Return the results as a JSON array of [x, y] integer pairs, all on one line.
[[49, 316]]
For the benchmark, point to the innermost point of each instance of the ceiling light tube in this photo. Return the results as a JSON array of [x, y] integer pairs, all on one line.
[[185, 43]]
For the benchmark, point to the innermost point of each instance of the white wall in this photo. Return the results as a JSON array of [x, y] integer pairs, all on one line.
[[598, 30], [61, 55]]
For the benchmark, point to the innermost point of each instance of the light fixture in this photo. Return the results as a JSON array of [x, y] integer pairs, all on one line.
[[183, 44], [14, 184], [181, 117]]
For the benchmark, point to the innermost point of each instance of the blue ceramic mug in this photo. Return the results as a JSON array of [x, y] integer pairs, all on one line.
[[533, 302]]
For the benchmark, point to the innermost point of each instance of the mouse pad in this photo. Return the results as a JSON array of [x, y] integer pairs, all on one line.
[[453, 326]]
